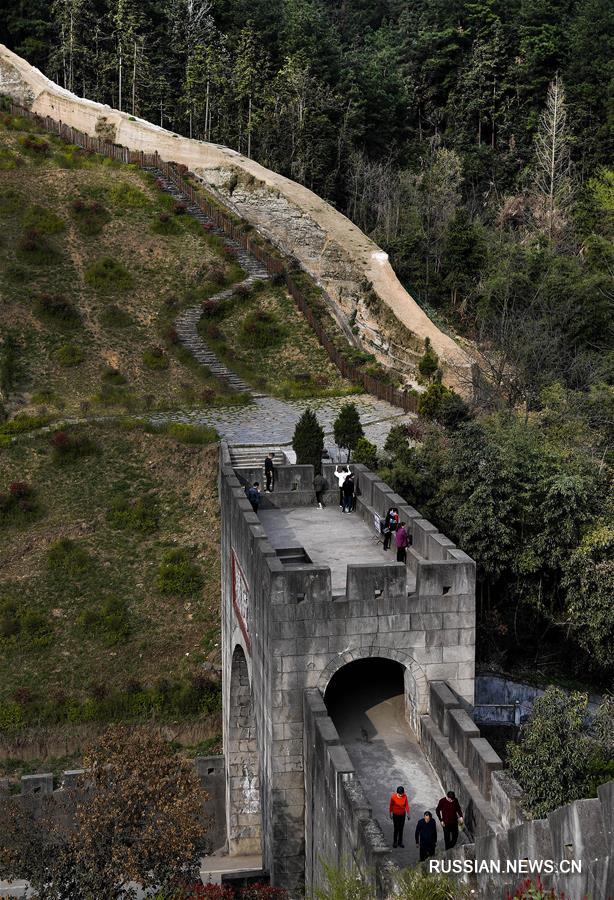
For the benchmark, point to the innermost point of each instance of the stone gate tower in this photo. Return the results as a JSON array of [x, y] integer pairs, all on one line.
[[299, 601]]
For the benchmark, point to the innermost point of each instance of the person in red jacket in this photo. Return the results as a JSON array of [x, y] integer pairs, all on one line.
[[399, 808], [449, 814]]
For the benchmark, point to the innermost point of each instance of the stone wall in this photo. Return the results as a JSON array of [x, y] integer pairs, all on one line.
[[467, 764], [328, 246], [340, 830], [295, 636], [581, 833]]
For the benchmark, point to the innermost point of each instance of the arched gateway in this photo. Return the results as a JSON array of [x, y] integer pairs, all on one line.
[[305, 593]]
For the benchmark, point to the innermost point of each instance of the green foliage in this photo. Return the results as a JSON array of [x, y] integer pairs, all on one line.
[[114, 317], [20, 624], [442, 404], [57, 310], [140, 515], [69, 355], [308, 441], [111, 620], [90, 218], [68, 559], [9, 366], [589, 576], [414, 884], [554, 758], [343, 884], [178, 575], [23, 423], [347, 428], [127, 196], [44, 220], [366, 453], [107, 275], [165, 224], [9, 159], [10, 202], [261, 329], [429, 361], [155, 358]]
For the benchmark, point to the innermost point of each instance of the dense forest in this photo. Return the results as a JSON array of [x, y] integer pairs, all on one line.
[[473, 141]]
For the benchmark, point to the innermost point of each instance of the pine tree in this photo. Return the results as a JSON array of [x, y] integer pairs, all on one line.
[[347, 428], [308, 441]]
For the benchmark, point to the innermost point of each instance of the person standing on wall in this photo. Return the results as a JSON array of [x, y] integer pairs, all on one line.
[[269, 473], [399, 809], [341, 474], [426, 836], [391, 523], [402, 541], [254, 495], [348, 493], [450, 815], [319, 486]]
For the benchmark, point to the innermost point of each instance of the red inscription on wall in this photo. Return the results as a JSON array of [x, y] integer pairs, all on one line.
[[240, 599]]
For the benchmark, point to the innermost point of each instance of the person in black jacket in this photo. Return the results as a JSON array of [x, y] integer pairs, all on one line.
[[269, 472], [348, 493], [426, 836]]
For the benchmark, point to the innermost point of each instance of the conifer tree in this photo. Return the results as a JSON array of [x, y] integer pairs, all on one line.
[[308, 441], [347, 428]]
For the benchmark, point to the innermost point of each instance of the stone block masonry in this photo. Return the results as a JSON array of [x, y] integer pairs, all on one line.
[[294, 611]]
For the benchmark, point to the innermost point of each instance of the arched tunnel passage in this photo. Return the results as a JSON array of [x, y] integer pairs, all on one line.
[[366, 701]]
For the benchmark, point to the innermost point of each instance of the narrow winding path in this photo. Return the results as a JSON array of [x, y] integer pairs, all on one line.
[[268, 420]]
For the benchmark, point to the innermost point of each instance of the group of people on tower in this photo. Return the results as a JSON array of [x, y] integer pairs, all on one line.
[[448, 812]]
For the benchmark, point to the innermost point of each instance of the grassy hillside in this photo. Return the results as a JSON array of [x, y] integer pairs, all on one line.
[[109, 596]]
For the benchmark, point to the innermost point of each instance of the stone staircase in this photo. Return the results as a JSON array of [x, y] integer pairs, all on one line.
[[253, 457], [186, 323]]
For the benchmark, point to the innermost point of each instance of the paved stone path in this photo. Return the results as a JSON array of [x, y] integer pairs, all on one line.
[[270, 422], [187, 322]]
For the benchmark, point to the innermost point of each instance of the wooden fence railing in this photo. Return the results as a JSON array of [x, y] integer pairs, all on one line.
[[274, 266]]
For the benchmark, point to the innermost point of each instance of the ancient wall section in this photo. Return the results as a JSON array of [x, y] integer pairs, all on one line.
[[295, 635], [331, 248]]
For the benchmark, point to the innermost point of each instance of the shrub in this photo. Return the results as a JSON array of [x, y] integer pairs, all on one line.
[[366, 453], [9, 159], [57, 309], [165, 224], [34, 145], [23, 423], [441, 404], [260, 329], [179, 208], [67, 558], [69, 447], [126, 195], [177, 574], [44, 220], [140, 514], [22, 623], [110, 620], [90, 218], [10, 201], [33, 248], [347, 427], [107, 275], [192, 434], [114, 317], [155, 358], [113, 376], [17, 504], [69, 355], [171, 335]]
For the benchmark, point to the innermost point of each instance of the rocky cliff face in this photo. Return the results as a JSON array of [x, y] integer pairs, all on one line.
[[361, 284]]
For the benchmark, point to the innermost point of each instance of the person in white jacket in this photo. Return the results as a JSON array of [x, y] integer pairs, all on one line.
[[341, 474]]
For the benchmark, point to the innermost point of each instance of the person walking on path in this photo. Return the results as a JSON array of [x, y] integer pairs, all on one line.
[[402, 541], [269, 473], [319, 486], [450, 815], [398, 809], [391, 523], [348, 493], [341, 474], [426, 836], [254, 496]]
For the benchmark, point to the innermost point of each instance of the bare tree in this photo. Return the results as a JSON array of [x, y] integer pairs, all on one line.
[[553, 184]]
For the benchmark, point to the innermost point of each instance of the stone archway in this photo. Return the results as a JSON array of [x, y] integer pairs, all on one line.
[[243, 797], [415, 682]]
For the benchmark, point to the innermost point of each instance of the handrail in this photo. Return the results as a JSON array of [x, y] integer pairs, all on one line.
[[404, 399]]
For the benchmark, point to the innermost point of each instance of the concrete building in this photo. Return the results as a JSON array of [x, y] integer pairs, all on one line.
[[306, 593]]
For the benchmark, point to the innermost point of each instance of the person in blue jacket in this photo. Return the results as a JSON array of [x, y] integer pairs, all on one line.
[[426, 836]]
